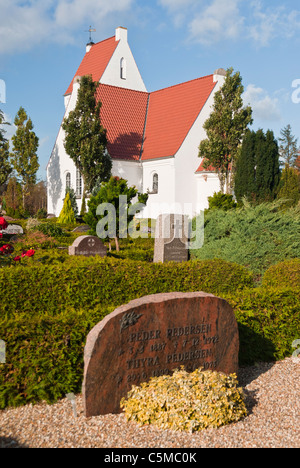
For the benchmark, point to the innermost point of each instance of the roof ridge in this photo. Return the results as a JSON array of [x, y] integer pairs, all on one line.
[[180, 84], [104, 40], [124, 89]]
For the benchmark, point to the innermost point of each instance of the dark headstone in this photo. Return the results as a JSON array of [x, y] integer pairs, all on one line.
[[171, 240], [88, 246], [153, 336]]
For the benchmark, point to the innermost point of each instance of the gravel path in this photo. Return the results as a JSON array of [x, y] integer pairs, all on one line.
[[272, 397]]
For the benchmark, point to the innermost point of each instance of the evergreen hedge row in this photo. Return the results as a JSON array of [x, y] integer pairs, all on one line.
[[47, 312]]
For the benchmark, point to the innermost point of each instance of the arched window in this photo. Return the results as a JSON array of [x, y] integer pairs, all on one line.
[[123, 69], [78, 184], [68, 180], [155, 183]]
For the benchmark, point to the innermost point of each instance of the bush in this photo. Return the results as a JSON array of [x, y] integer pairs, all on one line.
[[283, 275], [255, 237], [268, 321], [186, 402], [90, 282], [222, 201]]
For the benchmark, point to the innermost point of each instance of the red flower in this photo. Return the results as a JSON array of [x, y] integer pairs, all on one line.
[[29, 253], [3, 223], [17, 259], [1, 235], [7, 249]]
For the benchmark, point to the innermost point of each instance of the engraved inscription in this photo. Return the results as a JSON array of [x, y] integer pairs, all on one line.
[[152, 353], [129, 320]]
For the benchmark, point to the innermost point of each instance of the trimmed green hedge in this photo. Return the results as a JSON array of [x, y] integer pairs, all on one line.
[[284, 274], [88, 283], [48, 312]]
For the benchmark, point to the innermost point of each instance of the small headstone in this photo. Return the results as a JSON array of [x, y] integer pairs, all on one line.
[[171, 240], [82, 228], [88, 246], [153, 336], [13, 229]]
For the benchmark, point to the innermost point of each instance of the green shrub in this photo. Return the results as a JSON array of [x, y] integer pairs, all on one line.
[[222, 201], [50, 229], [255, 237], [269, 322], [186, 402], [283, 275], [89, 282]]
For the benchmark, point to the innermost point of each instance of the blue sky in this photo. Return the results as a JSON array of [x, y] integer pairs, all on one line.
[[43, 42]]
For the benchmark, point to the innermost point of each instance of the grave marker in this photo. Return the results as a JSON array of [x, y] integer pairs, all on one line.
[[88, 246], [171, 239], [153, 336]]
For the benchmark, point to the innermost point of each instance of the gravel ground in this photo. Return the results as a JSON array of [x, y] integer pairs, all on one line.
[[272, 397]]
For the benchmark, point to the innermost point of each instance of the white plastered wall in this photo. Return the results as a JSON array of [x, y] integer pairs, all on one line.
[[112, 74]]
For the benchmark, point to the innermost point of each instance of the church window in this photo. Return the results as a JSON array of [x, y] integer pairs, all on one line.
[[78, 184], [68, 180], [123, 69], [155, 183]]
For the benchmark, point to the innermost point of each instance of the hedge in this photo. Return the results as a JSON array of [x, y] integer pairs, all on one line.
[[284, 274], [88, 283], [48, 312]]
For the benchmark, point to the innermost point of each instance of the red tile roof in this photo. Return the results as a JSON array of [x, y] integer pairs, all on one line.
[[171, 114], [95, 61], [208, 169], [123, 114]]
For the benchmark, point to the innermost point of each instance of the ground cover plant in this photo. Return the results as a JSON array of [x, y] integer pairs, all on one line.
[[253, 236]]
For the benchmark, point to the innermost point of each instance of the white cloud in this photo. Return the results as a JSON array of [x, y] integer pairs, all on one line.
[[24, 24], [270, 23], [265, 107], [220, 20]]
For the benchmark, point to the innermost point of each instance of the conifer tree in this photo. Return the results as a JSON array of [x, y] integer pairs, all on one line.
[[85, 137], [288, 148], [257, 168], [5, 166], [289, 188], [225, 129], [67, 215], [24, 155]]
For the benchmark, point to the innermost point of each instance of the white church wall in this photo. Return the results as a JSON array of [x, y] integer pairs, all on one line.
[[131, 171], [207, 184], [187, 162], [131, 76], [164, 200]]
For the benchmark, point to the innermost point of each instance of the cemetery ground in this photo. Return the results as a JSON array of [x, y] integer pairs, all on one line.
[[50, 302]]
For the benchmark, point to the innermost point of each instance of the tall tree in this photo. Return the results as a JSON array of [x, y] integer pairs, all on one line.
[[24, 152], [289, 188], [85, 137], [257, 168], [225, 129], [5, 165], [288, 148]]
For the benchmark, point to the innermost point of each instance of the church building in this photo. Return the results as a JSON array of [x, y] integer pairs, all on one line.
[[153, 138]]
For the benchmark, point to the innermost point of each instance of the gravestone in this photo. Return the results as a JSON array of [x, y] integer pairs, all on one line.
[[13, 229], [153, 336], [171, 240], [88, 246]]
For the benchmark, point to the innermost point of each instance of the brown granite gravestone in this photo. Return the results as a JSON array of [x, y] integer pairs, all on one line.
[[88, 246], [153, 336], [171, 239]]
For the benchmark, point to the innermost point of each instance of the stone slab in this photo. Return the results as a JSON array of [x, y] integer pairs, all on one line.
[[88, 246], [171, 238], [153, 336]]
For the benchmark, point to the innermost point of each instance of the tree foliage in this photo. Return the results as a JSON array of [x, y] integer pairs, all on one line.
[[110, 193], [85, 139], [67, 215], [289, 187], [5, 165], [225, 129], [257, 167], [24, 152], [288, 148]]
